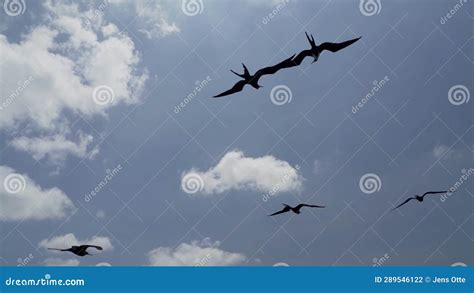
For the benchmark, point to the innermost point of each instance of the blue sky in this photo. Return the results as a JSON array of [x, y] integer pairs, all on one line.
[[107, 114]]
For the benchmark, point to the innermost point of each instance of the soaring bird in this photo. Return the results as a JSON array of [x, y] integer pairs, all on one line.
[[78, 250], [418, 197], [315, 50], [296, 209], [253, 79]]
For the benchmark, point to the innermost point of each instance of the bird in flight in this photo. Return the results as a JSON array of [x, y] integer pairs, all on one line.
[[252, 80], [296, 209], [315, 50], [418, 197], [78, 250]]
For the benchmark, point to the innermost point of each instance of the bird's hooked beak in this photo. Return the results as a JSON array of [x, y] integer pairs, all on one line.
[[314, 60]]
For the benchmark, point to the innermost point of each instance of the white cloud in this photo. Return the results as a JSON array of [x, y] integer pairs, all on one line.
[[61, 262], [22, 199], [55, 68], [154, 18], [196, 253], [235, 171], [68, 240], [55, 148]]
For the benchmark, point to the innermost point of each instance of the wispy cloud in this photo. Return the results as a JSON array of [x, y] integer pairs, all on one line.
[[55, 148], [444, 152]]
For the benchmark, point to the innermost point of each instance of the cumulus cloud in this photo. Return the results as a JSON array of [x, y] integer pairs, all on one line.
[[59, 262], [56, 68], [235, 171], [67, 240], [196, 253], [22, 199]]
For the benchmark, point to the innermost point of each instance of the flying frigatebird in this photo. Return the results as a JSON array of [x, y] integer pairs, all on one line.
[[316, 50], [418, 197], [296, 209], [80, 250], [252, 80]]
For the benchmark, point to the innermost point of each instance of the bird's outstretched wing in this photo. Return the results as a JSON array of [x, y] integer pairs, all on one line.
[[60, 249], [433, 192], [235, 89], [87, 246], [288, 62], [334, 47], [308, 205], [407, 200], [284, 210]]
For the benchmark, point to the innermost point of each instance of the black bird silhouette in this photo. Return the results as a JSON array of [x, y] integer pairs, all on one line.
[[315, 50], [296, 209], [418, 198], [80, 250], [253, 79]]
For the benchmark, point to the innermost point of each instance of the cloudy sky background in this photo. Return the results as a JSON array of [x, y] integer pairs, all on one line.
[[106, 114]]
